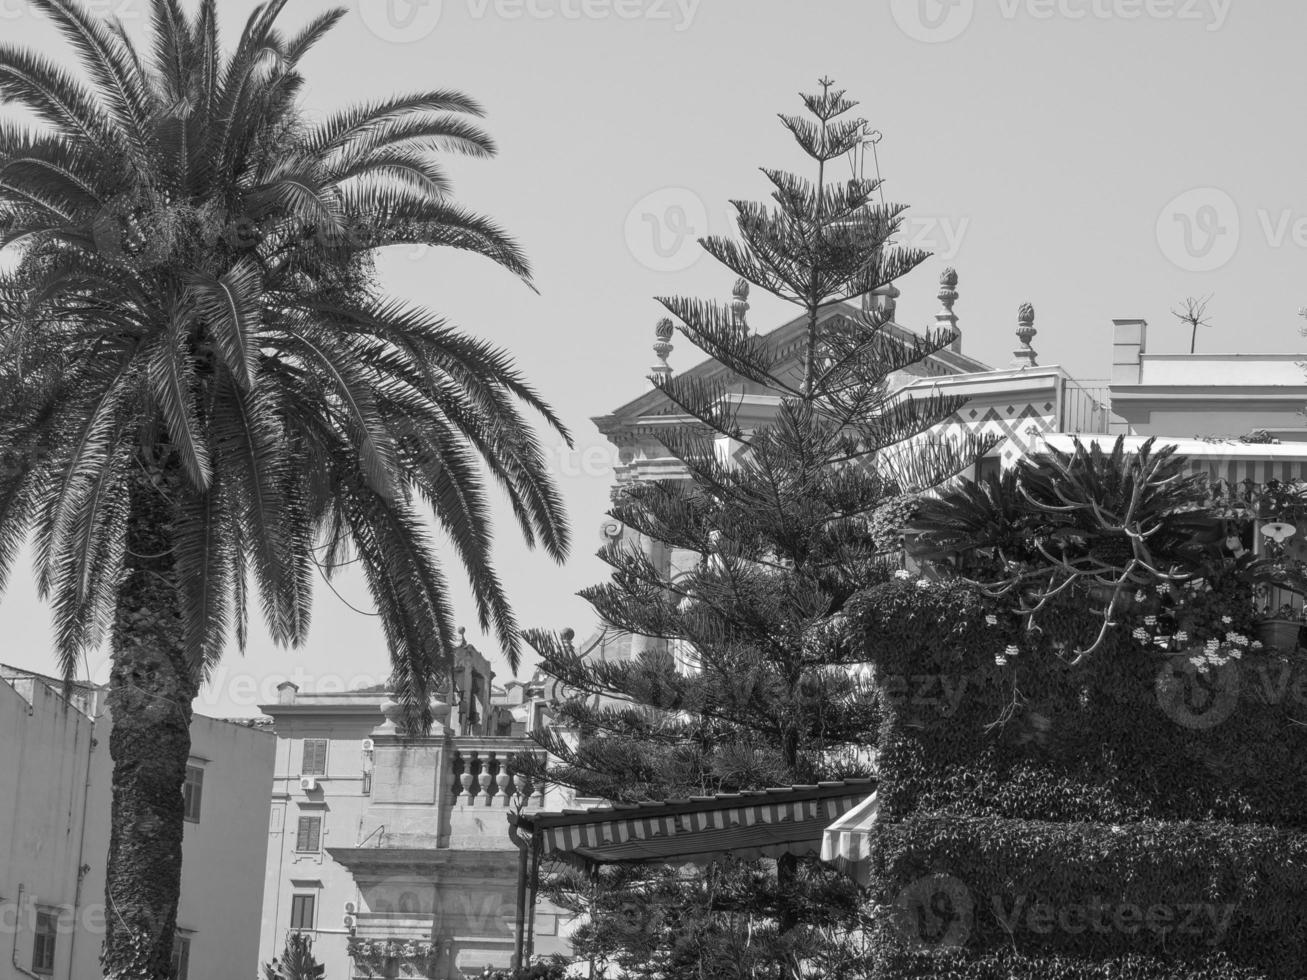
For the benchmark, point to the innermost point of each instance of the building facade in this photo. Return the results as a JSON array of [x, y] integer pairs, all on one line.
[[393, 853], [55, 783], [1019, 404], [1238, 417]]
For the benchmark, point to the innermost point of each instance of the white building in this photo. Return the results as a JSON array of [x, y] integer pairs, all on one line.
[[55, 792], [394, 853]]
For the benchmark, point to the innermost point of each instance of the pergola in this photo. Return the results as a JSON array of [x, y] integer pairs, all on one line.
[[749, 825]]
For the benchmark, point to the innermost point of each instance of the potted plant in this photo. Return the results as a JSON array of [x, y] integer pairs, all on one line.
[[1281, 510], [1280, 630]]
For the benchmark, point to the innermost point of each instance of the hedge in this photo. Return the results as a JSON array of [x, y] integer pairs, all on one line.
[[1017, 966], [1167, 793], [1096, 889]]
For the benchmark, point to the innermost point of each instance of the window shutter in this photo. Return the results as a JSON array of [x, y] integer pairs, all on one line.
[[301, 913], [314, 761], [309, 834]]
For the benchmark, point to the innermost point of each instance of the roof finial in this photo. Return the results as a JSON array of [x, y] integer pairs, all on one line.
[[740, 305], [946, 319], [1024, 356], [462, 636], [663, 346], [882, 299]]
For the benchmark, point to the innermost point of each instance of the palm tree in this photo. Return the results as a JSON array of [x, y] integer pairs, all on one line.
[[204, 391]]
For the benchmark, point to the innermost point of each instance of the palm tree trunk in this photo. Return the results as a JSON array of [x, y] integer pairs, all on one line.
[[151, 688]]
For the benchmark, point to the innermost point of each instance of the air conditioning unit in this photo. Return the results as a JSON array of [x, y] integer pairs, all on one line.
[[349, 922], [308, 783], [349, 908], [367, 746]]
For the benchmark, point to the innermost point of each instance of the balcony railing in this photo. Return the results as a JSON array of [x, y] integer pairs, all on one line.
[[482, 776]]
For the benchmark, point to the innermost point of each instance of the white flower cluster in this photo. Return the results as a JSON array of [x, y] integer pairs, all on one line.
[[1218, 654], [1011, 651], [903, 574]]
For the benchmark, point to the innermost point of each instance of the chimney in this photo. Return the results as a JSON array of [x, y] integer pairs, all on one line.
[[286, 692], [1129, 339]]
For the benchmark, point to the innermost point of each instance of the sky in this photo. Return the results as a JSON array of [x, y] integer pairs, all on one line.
[[1097, 158]]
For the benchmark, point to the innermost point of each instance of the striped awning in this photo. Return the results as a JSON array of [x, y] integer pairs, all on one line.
[[1229, 461], [847, 842], [765, 823]]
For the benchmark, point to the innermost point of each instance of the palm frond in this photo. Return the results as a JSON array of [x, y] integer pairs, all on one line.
[[173, 384]]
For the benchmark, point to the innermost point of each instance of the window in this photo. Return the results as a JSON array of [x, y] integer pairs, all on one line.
[[309, 836], [192, 790], [47, 934], [314, 762], [301, 911], [181, 956]]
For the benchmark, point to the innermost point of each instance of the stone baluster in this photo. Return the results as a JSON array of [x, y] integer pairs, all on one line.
[[502, 780], [469, 780], [478, 771], [484, 781], [522, 785], [460, 767]]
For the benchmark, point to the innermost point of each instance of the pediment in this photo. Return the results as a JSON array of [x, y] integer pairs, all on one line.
[[651, 410]]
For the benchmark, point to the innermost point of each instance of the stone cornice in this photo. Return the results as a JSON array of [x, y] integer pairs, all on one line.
[[422, 860]]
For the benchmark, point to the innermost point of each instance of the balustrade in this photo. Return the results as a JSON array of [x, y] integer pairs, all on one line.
[[482, 778]]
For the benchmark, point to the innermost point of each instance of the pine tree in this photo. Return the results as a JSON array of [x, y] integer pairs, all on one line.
[[296, 963], [779, 515]]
